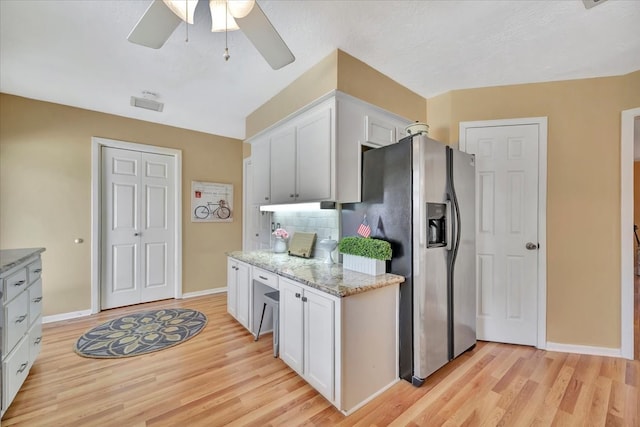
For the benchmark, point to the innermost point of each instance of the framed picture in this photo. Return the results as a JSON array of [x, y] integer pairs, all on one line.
[[211, 202]]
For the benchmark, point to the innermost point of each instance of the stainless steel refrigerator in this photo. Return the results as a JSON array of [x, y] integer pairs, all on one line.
[[419, 195]]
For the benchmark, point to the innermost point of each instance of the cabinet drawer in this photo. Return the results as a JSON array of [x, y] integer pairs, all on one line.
[[35, 270], [15, 369], [16, 320], [266, 277], [35, 341], [15, 284], [35, 301]]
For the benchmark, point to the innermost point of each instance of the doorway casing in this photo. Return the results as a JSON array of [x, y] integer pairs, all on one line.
[[96, 209], [626, 226]]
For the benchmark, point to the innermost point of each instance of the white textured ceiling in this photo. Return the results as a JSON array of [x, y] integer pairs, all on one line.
[[76, 52]]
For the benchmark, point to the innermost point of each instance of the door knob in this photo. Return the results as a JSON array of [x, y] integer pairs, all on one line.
[[532, 246]]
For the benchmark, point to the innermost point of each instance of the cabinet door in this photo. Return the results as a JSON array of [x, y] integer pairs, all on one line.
[[243, 281], [232, 287], [260, 164], [319, 343], [313, 154], [283, 166], [379, 131], [291, 330]]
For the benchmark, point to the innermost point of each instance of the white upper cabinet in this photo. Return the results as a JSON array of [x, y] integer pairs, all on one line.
[[260, 171], [283, 165], [314, 148], [315, 154]]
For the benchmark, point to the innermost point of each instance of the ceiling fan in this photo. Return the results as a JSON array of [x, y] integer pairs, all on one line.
[[163, 16]]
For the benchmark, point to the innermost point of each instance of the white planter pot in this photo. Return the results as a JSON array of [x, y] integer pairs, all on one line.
[[370, 266]]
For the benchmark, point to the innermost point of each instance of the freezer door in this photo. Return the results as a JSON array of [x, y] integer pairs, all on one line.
[[464, 268], [430, 333]]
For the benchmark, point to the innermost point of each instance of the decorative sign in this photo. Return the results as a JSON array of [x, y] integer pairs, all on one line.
[[211, 202]]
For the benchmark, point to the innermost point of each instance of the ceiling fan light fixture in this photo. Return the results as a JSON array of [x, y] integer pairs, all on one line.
[[240, 8], [219, 12], [184, 9]]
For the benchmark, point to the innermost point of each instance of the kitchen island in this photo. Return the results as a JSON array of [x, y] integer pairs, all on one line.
[[338, 328]]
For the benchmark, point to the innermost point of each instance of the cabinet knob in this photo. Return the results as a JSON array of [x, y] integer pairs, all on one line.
[[137, 234], [297, 195], [304, 299], [37, 270], [266, 198], [21, 318], [37, 340], [22, 368], [297, 295], [37, 299], [19, 283], [292, 195]]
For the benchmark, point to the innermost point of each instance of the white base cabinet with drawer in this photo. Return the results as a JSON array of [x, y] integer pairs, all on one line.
[[21, 319]]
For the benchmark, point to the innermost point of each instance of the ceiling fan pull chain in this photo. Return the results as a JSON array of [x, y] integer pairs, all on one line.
[[226, 55], [186, 20]]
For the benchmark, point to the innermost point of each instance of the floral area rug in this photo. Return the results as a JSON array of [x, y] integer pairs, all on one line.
[[140, 333]]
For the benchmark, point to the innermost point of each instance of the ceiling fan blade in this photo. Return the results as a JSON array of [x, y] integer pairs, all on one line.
[[155, 26], [258, 29]]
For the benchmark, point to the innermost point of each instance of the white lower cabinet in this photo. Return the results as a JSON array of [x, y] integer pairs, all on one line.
[[21, 298], [307, 335], [238, 288]]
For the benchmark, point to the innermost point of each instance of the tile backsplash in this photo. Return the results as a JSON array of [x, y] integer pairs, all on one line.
[[325, 223]]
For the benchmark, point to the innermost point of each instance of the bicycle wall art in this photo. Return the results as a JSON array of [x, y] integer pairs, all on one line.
[[211, 202]]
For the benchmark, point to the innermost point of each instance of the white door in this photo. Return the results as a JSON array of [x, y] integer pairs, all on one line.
[[137, 227], [506, 230], [313, 157], [283, 166], [243, 289]]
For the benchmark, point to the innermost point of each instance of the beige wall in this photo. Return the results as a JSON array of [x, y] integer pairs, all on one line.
[[319, 80], [583, 194], [45, 193], [360, 80], [343, 72]]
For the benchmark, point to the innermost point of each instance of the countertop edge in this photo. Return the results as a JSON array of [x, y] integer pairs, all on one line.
[[381, 281], [10, 258]]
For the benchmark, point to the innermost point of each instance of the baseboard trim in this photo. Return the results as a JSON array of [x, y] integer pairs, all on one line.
[[584, 349], [203, 293], [370, 398], [65, 316]]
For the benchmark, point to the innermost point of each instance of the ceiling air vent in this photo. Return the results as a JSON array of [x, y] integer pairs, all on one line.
[[146, 103], [588, 4]]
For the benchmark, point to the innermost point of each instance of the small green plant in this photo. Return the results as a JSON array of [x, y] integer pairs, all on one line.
[[366, 247]]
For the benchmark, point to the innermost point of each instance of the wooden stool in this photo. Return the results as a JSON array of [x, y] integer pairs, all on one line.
[[272, 299]]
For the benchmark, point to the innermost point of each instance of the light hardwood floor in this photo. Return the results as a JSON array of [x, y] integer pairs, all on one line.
[[222, 377]]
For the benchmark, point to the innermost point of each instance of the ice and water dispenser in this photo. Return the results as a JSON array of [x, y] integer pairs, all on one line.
[[436, 225]]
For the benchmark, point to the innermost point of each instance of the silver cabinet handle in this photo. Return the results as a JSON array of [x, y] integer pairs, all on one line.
[[532, 246], [21, 318], [297, 295], [37, 340], [263, 278], [22, 368], [37, 270], [19, 283], [37, 299]]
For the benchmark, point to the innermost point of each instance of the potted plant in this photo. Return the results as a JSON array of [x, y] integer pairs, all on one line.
[[365, 254]]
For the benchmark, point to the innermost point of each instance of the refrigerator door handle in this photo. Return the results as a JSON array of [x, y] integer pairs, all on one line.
[[449, 225]]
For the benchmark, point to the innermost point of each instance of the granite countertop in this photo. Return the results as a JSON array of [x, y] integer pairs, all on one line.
[[9, 258], [329, 278]]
